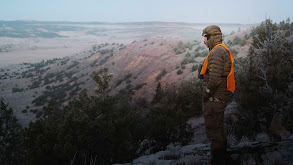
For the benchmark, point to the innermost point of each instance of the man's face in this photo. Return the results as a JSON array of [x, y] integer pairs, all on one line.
[[206, 41]]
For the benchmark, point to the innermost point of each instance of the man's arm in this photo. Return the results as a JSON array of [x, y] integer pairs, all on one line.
[[216, 65]]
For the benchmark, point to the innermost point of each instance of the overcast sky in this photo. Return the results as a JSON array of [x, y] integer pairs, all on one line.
[[193, 11]]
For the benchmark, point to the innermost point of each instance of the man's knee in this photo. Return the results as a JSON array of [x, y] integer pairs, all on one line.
[[214, 124], [214, 121]]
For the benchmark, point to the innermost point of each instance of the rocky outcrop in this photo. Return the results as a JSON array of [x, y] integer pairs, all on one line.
[[250, 153], [190, 154]]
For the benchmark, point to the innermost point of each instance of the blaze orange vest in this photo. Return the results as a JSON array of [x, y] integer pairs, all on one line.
[[230, 77]]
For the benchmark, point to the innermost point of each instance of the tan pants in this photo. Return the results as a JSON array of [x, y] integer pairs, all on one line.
[[214, 123]]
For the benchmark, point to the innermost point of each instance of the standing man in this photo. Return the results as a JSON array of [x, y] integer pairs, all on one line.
[[218, 84]]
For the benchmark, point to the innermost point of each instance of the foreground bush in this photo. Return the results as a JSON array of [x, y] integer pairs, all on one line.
[[11, 139], [106, 130], [264, 79]]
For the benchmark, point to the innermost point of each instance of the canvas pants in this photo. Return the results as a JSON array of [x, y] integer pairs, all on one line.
[[214, 123]]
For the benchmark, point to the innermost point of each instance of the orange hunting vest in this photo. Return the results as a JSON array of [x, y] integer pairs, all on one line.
[[230, 77]]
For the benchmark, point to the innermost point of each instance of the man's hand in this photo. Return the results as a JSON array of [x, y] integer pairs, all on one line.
[[206, 95]]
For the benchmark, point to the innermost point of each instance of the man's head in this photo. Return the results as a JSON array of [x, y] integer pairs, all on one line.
[[212, 35]]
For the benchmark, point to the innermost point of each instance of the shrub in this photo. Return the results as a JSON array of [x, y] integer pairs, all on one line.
[[175, 49], [104, 51], [236, 41], [162, 74], [197, 54], [39, 114], [185, 61], [17, 90], [128, 86], [265, 78], [288, 113], [118, 83], [189, 97], [188, 45], [94, 62], [243, 42], [113, 132], [188, 54], [108, 129], [34, 110], [63, 62], [40, 101], [234, 52], [180, 48], [229, 42], [35, 84], [194, 68], [128, 76], [167, 125], [104, 60], [49, 75], [196, 42], [191, 60], [75, 63], [179, 71], [128, 81], [246, 36], [29, 75], [137, 87], [169, 111], [204, 53], [179, 52], [197, 48], [11, 135]]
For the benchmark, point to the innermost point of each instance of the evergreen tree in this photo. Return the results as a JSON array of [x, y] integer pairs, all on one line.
[[102, 78], [92, 129], [41, 138], [10, 137], [158, 95], [265, 78], [169, 111]]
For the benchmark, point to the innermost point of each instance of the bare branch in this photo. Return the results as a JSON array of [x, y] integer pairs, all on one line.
[[71, 162]]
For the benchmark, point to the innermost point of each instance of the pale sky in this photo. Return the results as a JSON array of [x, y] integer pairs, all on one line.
[[191, 11]]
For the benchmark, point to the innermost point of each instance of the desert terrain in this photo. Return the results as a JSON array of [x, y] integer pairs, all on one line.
[[40, 61], [25, 42]]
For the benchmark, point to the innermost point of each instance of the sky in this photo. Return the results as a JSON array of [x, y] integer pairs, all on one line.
[[190, 11]]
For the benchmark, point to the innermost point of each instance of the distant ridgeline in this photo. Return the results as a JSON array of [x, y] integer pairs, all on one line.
[[50, 29], [26, 29]]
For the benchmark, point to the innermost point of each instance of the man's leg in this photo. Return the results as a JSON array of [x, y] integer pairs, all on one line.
[[219, 152], [214, 123]]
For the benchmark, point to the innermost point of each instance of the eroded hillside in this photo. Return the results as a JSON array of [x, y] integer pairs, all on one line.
[[136, 68]]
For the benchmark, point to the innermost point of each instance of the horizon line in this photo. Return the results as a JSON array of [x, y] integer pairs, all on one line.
[[102, 22]]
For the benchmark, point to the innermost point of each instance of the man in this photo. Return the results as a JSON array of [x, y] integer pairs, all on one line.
[[218, 84]]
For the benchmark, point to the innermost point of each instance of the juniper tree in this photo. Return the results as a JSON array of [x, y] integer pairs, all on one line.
[[10, 136], [102, 78], [265, 77]]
